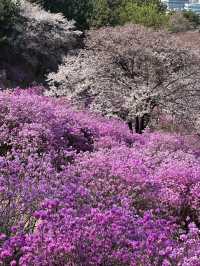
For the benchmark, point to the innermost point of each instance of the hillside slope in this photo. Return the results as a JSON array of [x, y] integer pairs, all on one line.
[[79, 189]]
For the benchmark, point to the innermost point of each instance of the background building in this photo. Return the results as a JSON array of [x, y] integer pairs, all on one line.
[[178, 5], [195, 7]]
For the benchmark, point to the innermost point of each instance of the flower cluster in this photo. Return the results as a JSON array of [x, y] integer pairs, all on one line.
[[79, 189]]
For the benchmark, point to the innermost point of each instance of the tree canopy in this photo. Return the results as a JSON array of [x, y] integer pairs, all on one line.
[[128, 72]]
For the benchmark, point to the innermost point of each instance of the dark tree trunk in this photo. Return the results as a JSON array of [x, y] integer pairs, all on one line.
[[141, 123], [130, 125], [138, 124]]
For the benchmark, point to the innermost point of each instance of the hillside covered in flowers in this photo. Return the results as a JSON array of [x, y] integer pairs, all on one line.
[[80, 189], [99, 133]]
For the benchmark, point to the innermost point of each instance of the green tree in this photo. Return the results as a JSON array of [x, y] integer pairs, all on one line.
[[146, 14], [161, 7], [97, 13], [100, 15], [8, 15], [192, 17], [86, 13]]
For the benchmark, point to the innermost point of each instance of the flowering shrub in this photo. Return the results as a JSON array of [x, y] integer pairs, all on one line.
[[79, 189]]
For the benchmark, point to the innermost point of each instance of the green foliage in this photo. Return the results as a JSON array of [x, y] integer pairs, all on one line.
[[192, 17], [161, 7], [105, 12], [97, 13], [146, 14], [179, 23], [114, 12], [86, 13], [8, 15], [100, 14]]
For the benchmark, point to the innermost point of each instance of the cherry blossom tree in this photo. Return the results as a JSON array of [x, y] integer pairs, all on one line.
[[36, 41], [130, 72]]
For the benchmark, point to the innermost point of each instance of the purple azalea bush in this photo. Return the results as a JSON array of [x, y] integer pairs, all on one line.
[[77, 189]]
